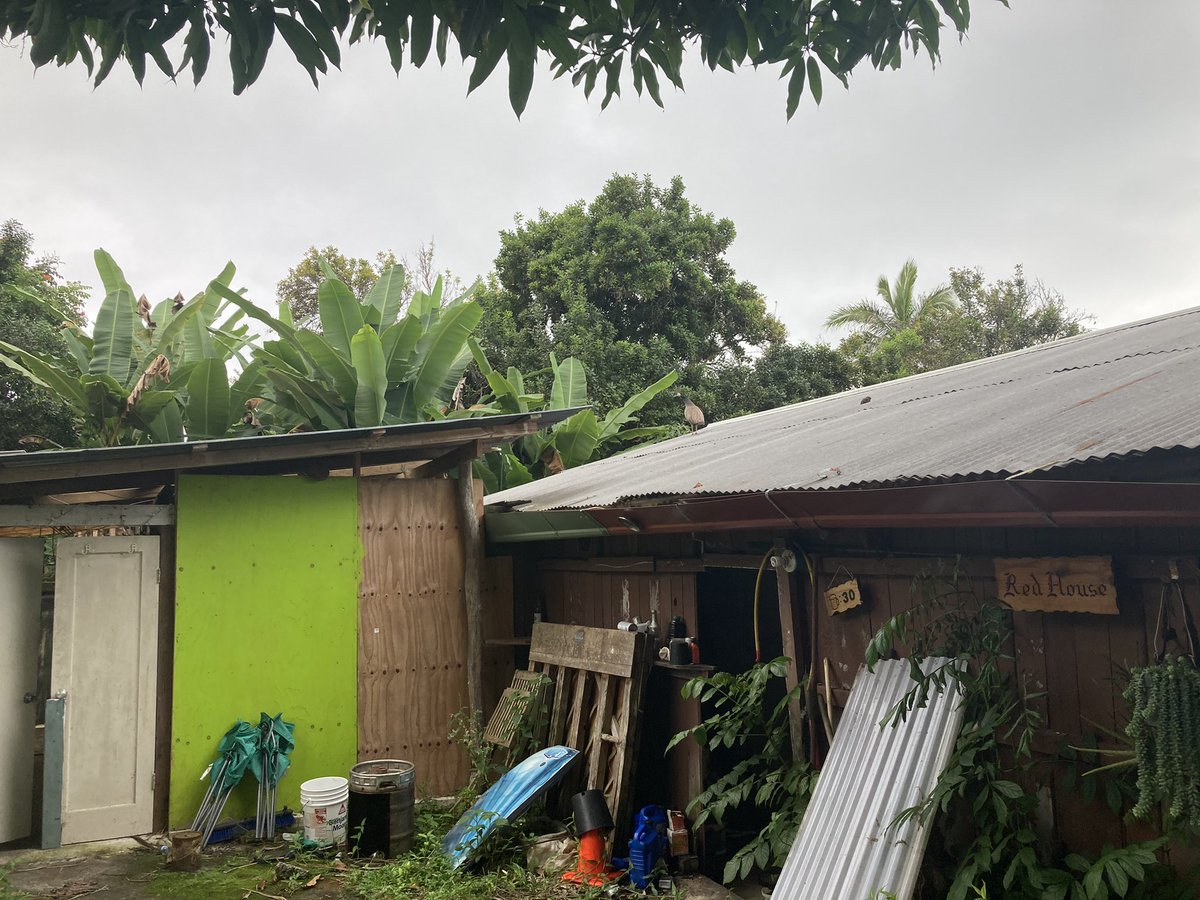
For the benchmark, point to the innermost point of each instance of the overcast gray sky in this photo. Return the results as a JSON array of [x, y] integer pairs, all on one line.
[[1063, 134]]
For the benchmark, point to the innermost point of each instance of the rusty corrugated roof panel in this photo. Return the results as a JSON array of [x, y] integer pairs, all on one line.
[[847, 847], [1128, 389]]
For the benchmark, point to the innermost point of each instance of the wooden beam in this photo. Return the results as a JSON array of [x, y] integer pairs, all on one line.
[[166, 680], [472, 538], [86, 515], [791, 628], [454, 459]]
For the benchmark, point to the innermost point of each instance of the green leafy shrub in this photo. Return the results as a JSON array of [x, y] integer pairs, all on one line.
[[988, 790], [772, 777]]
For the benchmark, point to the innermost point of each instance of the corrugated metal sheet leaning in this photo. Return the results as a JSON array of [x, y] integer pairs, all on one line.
[[845, 849], [1108, 393]]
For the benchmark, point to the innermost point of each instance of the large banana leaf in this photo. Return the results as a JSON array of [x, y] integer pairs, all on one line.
[[284, 330], [385, 298], [570, 385], [80, 347], [197, 342], [338, 372], [289, 353], [111, 275], [212, 299], [321, 408], [149, 408], [340, 312], [421, 307], [576, 438], [247, 386], [625, 413], [167, 427], [112, 337], [175, 328], [437, 353], [208, 412], [399, 341], [106, 403], [500, 469], [44, 372], [366, 352]]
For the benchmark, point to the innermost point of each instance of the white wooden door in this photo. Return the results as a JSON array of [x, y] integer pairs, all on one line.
[[20, 614], [105, 661]]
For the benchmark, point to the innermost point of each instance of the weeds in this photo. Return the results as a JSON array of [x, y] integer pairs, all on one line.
[[769, 778], [987, 793], [7, 891]]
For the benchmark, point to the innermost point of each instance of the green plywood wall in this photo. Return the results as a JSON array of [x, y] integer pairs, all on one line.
[[266, 620]]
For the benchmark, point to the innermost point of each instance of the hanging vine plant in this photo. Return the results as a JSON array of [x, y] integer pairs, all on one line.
[[1165, 729]]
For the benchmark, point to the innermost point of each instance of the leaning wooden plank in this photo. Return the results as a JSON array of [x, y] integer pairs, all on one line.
[[626, 734], [577, 647], [845, 848], [601, 714], [558, 712]]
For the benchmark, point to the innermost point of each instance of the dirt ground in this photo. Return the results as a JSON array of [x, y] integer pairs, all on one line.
[[126, 870]]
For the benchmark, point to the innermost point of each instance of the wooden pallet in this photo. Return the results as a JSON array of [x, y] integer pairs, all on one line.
[[518, 712], [597, 677]]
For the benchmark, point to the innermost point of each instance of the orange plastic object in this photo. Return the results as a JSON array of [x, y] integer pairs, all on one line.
[[593, 868]]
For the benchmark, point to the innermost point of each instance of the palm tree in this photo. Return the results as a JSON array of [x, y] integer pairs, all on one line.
[[897, 308]]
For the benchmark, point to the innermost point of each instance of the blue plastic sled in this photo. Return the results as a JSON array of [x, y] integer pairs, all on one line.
[[505, 801]]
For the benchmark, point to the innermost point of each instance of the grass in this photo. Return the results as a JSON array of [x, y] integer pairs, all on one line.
[[425, 874], [221, 880], [7, 891]]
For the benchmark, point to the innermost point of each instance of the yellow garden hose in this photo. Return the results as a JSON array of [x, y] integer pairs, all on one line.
[[757, 588]]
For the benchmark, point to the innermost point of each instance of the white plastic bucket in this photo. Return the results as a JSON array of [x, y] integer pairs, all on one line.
[[325, 802]]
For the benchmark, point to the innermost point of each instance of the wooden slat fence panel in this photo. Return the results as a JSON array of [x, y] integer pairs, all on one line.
[[412, 629]]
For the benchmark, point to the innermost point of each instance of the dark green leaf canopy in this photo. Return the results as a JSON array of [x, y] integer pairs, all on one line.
[[642, 40]]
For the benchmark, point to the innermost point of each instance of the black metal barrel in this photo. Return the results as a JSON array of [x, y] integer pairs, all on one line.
[[381, 807]]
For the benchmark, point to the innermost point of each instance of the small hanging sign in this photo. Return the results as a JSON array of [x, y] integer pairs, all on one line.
[[842, 597], [1058, 584]]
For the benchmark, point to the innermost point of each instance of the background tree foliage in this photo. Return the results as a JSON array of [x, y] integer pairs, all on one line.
[[27, 409], [595, 41], [633, 284], [298, 288], [985, 319]]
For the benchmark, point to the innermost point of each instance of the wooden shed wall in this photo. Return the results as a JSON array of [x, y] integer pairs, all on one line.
[[1077, 659], [412, 640]]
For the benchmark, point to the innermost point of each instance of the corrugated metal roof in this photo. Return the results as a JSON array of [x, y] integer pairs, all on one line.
[[1107, 393], [845, 848]]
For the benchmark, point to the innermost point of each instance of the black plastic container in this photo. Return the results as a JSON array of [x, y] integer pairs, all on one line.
[[591, 811]]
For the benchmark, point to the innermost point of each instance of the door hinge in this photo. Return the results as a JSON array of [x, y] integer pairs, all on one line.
[[158, 576]]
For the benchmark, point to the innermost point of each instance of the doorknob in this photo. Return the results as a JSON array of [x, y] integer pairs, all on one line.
[[30, 698]]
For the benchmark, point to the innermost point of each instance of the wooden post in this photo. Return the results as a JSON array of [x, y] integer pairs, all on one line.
[[790, 628], [472, 559]]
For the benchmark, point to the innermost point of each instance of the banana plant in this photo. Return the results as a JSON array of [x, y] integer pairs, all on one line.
[[574, 441], [372, 362], [144, 374]]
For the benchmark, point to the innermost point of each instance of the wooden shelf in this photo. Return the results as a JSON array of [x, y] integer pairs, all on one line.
[[508, 642], [689, 669]]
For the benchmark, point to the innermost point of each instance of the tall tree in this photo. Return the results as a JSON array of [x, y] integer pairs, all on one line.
[[633, 284], [298, 288], [989, 318], [594, 42], [896, 307], [29, 410], [1008, 314]]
